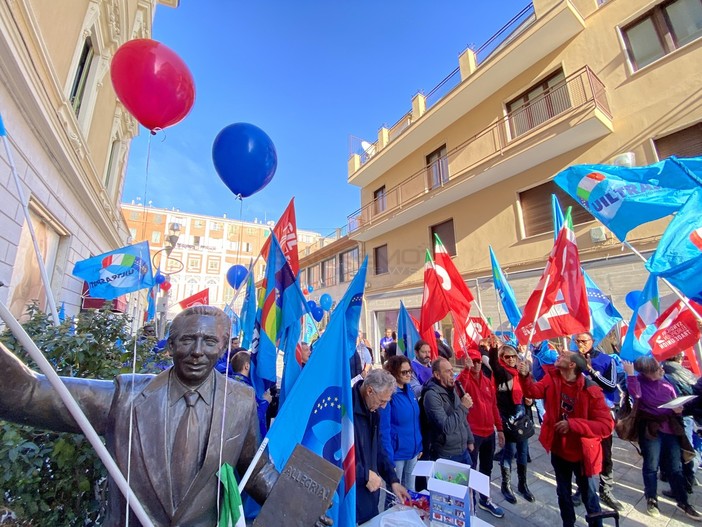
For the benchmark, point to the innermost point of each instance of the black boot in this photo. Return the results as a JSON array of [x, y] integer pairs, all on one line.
[[522, 485], [507, 485]]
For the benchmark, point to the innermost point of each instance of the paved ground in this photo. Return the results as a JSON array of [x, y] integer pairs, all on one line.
[[628, 489]]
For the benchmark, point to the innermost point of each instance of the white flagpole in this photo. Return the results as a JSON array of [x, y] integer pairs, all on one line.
[[25, 207], [75, 410], [538, 308]]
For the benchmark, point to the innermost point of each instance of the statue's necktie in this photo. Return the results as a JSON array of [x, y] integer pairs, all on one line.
[[185, 456]]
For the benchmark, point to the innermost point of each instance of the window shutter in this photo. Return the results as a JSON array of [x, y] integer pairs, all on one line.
[[685, 143]]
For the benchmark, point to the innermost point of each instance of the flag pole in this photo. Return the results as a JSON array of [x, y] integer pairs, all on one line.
[[75, 410], [25, 208], [538, 308]]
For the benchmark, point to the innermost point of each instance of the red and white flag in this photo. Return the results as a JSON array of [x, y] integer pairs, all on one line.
[[434, 305], [476, 329], [564, 309], [198, 299], [286, 232], [677, 331]]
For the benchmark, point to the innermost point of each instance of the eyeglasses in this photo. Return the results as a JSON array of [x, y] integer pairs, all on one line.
[[405, 372], [509, 356]]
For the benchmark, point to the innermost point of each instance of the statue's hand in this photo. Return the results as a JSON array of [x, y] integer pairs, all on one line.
[[324, 521]]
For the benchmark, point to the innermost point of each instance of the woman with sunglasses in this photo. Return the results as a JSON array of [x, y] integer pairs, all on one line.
[[399, 422], [510, 403]]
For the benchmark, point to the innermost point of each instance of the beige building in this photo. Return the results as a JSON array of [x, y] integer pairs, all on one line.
[[205, 249], [69, 138], [565, 82]]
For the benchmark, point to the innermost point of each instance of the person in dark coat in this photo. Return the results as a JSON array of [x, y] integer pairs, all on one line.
[[372, 462]]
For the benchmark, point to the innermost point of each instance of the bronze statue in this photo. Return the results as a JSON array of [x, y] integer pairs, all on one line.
[[177, 423]]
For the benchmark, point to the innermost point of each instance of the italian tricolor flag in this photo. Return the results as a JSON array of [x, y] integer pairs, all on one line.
[[232, 513]]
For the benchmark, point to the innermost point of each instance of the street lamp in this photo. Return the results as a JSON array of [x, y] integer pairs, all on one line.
[[171, 242]]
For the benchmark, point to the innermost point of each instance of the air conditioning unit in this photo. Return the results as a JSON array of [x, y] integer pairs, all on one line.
[[598, 234]]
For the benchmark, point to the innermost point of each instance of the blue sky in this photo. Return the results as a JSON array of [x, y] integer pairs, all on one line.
[[310, 74]]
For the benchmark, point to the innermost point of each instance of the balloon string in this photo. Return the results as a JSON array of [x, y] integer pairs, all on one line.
[[146, 186]]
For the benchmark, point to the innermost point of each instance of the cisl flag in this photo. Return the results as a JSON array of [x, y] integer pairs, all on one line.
[[286, 232], [677, 331], [434, 305], [476, 329], [198, 299]]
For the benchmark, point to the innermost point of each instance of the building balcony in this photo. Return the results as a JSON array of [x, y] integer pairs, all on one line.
[[531, 35], [570, 114]]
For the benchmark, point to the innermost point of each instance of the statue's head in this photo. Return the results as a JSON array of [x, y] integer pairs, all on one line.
[[198, 337]]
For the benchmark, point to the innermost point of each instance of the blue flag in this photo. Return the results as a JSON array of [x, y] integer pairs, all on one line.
[[407, 333], [603, 315], [151, 303], [309, 331], [248, 311], [504, 290], [281, 305], [678, 257], [235, 326], [118, 272], [291, 367], [557, 216], [623, 198], [643, 322], [318, 412]]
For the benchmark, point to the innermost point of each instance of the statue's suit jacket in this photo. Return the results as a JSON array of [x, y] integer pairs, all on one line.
[[28, 398]]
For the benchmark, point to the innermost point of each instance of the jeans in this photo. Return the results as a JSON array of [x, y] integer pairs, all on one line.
[[403, 469], [483, 451], [565, 470], [508, 453], [459, 458], [663, 450]]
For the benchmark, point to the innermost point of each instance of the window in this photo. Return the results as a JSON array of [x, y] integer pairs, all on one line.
[[216, 226], [133, 233], [349, 265], [112, 165], [379, 200], [158, 219], [662, 30], [329, 272], [196, 241], [194, 263], [536, 208], [446, 235], [199, 224], [80, 82], [173, 262], [685, 143], [313, 275], [213, 265], [155, 237], [246, 247], [380, 259], [437, 168], [250, 230], [134, 215], [538, 104]]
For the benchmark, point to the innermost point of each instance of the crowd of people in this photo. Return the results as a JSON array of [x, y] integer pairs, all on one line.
[[426, 412]]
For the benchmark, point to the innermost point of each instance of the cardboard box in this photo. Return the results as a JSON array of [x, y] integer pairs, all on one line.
[[449, 502]]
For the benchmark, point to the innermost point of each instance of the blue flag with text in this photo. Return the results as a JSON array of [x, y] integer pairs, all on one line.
[[603, 315], [505, 292], [643, 322]]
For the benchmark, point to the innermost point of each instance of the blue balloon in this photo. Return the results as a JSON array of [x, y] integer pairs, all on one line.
[[245, 158], [236, 275], [632, 299], [325, 301], [312, 305], [159, 278], [318, 313], [310, 288]]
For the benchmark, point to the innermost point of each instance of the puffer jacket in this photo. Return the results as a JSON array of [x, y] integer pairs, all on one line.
[[446, 420], [591, 421], [483, 416], [399, 425]]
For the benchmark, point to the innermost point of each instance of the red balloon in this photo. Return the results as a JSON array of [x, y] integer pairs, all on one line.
[[152, 82], [165, 286]]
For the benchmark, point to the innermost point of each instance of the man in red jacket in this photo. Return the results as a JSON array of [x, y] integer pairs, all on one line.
[[483, 418], [577, 420]]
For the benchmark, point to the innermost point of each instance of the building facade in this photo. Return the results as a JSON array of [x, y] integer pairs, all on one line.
[[69, 137], [203, 250], [563, 83]]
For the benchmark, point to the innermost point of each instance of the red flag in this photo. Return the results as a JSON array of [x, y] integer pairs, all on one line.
[[476, 329], [458, 296], [198, 299], [564, 310], [286, 232], [434, 305], [677, 331]]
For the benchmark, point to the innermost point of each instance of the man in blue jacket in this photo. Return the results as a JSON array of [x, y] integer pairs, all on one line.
[[603, 371], [372, 462]]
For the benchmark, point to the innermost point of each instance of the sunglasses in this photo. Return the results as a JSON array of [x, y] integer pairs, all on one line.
[[509, 356], [405, 372]]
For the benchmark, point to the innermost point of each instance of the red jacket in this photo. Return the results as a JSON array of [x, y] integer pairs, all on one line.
[[483, 416], [591, 420]]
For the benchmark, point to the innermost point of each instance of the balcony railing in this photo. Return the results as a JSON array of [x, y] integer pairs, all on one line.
[[366, 150], [581, 90]]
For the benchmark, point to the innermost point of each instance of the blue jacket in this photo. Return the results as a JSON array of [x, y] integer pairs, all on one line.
[[370, 455], [399, 425]]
